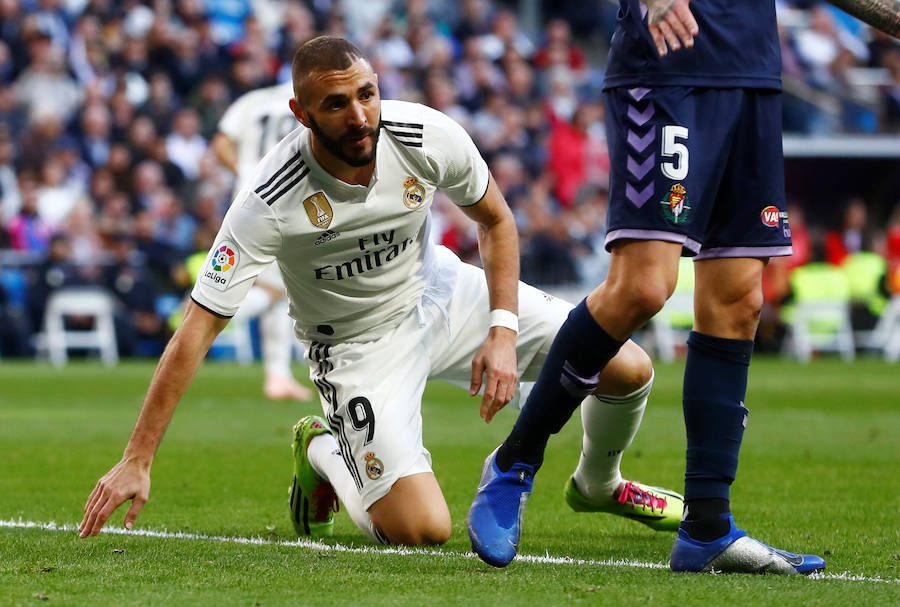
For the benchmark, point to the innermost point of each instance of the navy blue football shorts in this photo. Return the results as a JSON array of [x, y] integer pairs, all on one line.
[[700, 167]]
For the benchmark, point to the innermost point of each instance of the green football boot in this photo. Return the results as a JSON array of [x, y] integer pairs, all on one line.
[[657, 508], [313, 500]]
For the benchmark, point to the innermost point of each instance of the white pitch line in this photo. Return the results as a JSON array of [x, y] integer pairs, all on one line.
[[403, 551]]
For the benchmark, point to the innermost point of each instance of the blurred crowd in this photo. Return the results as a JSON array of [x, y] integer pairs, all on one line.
[[107, 109]]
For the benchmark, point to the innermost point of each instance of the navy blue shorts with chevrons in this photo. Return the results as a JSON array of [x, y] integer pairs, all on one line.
[[698, 166]]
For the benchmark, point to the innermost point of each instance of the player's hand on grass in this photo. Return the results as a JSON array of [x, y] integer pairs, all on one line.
[[495, 363], [128, 480], [671, 24]]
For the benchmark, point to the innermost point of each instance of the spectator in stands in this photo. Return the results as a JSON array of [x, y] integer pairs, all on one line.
[[135, 314], [162, 102], [113, 79], [185, 145], [56, 195], [95, 134], [577, 152], [55, 272], [852, 235], [27, 231], [164, 263], [559, 49], [44, 87]]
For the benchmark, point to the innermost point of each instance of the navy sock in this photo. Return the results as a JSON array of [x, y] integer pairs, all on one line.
[[706, 520], [571, 372], [715, 385]]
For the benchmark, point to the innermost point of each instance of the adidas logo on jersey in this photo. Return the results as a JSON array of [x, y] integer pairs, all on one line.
[[327, 236]]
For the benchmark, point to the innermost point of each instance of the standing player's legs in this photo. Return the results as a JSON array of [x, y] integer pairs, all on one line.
[[748, 225], [727, 301], [661, 142]]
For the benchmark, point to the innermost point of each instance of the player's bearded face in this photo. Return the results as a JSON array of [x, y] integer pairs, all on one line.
[[344, 111], [355, 145]]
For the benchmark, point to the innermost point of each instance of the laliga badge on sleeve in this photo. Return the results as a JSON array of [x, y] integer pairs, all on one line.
[[221, 265]]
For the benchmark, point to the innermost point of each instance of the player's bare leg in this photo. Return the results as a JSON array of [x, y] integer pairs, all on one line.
[[728, 297], [642, 276], [413, 512]]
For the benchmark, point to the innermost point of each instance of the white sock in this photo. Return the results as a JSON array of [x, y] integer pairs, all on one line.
[[276, 330], [610, 423], [325, 456]]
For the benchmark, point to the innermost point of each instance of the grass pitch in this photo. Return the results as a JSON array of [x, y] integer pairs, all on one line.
[[819, 473]]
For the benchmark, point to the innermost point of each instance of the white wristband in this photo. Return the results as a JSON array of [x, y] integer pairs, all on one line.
[[504, 318]]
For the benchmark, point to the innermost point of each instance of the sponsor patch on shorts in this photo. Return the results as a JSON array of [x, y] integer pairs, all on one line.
[[770, 216], [220, 266]]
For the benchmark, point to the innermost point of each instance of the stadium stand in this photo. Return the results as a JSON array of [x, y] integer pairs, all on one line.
[[107, 109]]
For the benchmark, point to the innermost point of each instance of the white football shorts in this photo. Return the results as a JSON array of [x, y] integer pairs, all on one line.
[[372, 391]]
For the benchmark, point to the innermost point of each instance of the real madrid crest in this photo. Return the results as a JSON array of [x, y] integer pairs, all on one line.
[[374, 467], [318, 209], [413, 193]]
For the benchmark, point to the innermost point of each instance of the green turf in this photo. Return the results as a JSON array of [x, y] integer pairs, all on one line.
[[819, 473]]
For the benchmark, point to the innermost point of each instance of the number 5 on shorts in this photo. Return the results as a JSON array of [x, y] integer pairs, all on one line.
[[677, 170]]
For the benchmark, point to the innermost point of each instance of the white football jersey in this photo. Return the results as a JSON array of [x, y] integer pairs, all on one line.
[[354, 258], [255, 122]]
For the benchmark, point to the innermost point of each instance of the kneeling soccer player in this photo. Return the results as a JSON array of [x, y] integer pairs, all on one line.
[[341, 204]]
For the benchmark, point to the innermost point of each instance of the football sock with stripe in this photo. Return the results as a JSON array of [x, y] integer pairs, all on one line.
[[325, 457], [610, 423], [715, 385], [571, 372]]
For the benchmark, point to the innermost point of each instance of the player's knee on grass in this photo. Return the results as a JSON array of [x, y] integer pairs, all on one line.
[[627, 372], [423, 530], [413, 513]]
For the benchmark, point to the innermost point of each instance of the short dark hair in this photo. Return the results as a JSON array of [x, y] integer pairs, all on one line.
[[323, 54]]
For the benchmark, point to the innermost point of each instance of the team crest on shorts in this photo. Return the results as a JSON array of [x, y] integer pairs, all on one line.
[[220, 268], [374, 467], [676, 205], [413, 193], [318, 209]]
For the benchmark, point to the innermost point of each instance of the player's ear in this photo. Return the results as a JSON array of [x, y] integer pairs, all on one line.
[[299, 112]]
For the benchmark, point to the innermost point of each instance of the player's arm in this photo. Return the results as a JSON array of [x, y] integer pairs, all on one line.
[[671, 24], [880, 14], [226, 151], [499, 246], [130, 478]]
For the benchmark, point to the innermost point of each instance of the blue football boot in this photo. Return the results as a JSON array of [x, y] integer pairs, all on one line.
[[495, 518], [737, 552]]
